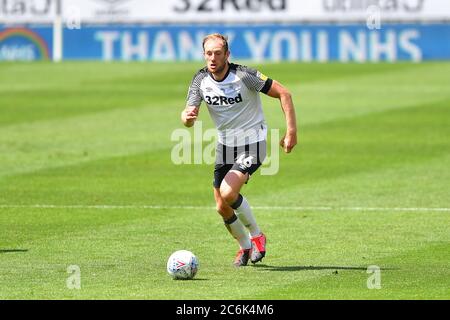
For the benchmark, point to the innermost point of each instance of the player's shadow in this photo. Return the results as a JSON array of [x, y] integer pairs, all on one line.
[[307, 268], [12, 250]]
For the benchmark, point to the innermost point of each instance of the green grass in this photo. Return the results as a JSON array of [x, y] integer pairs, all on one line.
[[93, 141]]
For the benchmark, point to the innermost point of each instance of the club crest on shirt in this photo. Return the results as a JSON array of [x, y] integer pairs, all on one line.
[[229, 89]]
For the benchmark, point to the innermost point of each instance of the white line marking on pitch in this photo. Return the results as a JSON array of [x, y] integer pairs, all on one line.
[[286, 208]]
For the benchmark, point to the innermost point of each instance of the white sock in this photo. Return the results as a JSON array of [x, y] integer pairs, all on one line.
[[245, 214], [237, 230]]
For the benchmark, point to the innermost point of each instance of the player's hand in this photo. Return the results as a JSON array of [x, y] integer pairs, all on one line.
[[288, 141], [191, 113]]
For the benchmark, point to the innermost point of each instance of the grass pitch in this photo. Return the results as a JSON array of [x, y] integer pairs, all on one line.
[[86, 179]]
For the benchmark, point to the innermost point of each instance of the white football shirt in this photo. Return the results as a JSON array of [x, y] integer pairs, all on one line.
[[233, 103]]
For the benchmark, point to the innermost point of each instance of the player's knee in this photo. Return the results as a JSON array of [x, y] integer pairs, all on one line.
[[221, 206], [228, 195]]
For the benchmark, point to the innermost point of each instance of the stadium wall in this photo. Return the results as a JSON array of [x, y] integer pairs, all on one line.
[[261, 42]]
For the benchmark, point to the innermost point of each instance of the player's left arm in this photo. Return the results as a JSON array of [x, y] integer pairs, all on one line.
[[278, 91]]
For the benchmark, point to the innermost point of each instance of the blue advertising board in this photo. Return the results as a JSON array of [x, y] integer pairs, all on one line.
[[268, 42], [21, 43]]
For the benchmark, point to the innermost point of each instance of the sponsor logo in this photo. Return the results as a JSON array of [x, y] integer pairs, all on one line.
[[222, 100], [112, 8], [340, 6], [210, 6], [263, 77]]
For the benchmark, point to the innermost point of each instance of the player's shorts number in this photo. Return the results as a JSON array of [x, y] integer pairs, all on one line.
[[245, 161]]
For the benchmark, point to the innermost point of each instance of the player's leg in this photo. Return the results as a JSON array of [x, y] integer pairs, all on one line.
[[245, 214], [231, 186], [230, 192], [232, 223], [227, 195], [248, 161], [235, 227], [228, 181]]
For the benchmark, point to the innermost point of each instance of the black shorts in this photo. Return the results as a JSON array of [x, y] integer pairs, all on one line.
[[246, 159]]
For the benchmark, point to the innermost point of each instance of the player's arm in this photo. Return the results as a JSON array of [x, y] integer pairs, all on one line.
[[193, 101], [289, 140], [189, 115]]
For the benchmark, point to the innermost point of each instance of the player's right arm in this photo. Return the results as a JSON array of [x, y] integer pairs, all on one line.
[[189, 115], [194, 99]]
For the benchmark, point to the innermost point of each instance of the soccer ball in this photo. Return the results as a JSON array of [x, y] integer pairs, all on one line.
[[182, 264]]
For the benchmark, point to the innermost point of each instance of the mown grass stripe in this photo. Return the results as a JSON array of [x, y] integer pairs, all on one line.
[[287, 208]]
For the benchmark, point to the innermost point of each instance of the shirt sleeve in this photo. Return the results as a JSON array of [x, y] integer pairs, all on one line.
[[255, 80], [194, 96]]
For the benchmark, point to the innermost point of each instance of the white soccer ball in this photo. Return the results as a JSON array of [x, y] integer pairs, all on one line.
[[182, 264]]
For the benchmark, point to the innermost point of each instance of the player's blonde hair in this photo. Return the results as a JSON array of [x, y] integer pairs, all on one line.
[[216, 36]]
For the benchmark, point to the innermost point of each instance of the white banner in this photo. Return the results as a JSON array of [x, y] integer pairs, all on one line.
[[359, 10], [217, 11], [15, 11]]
